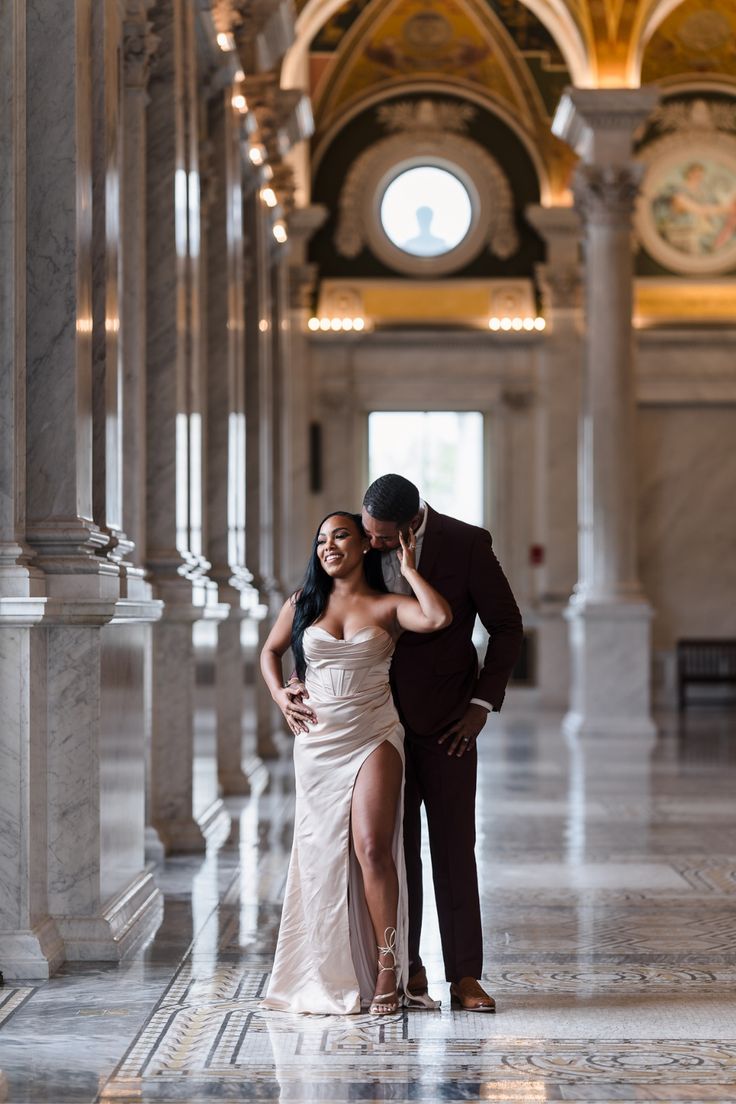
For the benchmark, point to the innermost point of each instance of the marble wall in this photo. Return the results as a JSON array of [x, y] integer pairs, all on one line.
[[687, 520]]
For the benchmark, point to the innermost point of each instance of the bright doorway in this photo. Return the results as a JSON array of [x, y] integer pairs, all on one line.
[[439, 450]]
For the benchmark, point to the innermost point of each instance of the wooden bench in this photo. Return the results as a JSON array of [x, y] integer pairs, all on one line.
[[705, 662]]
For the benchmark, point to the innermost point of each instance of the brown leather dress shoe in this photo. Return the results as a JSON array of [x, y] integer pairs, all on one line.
[[469, 995]]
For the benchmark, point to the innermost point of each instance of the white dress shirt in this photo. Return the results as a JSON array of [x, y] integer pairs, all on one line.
[[397, 584]]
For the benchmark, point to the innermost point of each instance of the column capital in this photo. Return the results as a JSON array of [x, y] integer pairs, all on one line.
[[139, 44], [606, 194], [600, 123]]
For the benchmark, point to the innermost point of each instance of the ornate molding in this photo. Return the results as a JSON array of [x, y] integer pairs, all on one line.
[[412, 115], [139, 46], [607, 193], [561, 287], [493, 226]]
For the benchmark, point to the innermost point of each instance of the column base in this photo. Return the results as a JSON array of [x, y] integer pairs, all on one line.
[[127, 921], [610, 655], [553, 656], [257, 772], [234, 783], [214, 823], [578, 725], [154, 850], [35, 954]]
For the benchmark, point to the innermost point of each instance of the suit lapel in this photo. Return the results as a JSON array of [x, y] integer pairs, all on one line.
[[431, 543]]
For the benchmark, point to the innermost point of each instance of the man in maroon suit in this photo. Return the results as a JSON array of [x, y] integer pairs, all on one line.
[[444, 701]]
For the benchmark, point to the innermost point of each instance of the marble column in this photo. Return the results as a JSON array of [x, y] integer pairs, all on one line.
[[259, 448], [30, 942], [102, 899], [558, 373], [174, 536], [226, 437], [608, 614], [139, 44], [303, 223]]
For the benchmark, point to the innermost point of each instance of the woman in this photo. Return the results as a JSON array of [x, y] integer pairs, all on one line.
[[346, 888]]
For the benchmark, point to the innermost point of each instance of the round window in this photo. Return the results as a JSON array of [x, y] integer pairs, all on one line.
[[426, 211]]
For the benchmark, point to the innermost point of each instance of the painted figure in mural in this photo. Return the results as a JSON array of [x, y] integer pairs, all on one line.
[[695, 208], [443, 700], [343, 940]]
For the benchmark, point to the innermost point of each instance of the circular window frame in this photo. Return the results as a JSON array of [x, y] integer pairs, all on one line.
[[410, 263], [492, 206]]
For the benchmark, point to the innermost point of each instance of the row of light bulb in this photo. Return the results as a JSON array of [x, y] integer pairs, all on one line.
[[336, 324], [256, 153], [527, 324]]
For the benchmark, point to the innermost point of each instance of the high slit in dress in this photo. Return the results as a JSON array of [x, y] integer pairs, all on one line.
[[326, 953]]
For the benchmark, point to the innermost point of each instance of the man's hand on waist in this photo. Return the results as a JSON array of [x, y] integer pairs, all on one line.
[[461, 736]]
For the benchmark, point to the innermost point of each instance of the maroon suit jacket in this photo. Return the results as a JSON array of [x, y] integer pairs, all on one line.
[[434, 675]]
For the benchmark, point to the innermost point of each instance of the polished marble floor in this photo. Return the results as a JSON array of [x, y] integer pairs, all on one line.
[[609, 894]]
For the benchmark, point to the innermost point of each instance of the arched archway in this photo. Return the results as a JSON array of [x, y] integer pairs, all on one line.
[[554, 14]]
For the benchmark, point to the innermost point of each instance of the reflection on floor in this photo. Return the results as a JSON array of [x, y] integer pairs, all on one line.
[[609, 884]]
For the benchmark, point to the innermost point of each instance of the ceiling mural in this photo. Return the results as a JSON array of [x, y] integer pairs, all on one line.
[[496, 44], [693, 40]]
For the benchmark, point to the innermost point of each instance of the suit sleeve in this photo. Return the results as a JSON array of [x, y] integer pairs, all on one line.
[[501, 619]]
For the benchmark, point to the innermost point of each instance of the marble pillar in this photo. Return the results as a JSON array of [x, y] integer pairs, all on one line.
[[30, 942], [139, 44], [174, 537], [558, 373], [259, 449], [226, 464], [303, 223], [54, 702], [608, 615]]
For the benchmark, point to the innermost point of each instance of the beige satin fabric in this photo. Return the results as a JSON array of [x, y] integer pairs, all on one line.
[[326, 953]]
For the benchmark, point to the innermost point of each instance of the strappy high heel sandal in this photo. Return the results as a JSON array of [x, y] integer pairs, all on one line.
[[381, 1005]]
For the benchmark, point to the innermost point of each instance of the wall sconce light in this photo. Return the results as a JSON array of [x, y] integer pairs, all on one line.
[[269, 197], [517, 324], [225, 40], [279, 232], [240, 103], [336, 324], [256, 155]]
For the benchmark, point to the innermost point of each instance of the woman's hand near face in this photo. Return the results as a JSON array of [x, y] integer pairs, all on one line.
[[408, 553], [427, 611]]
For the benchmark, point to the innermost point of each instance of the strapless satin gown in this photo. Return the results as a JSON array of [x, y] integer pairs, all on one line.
[[326, 953]]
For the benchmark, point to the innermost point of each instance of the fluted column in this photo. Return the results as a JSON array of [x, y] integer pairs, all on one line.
[[608, 614], [558, 378], [174, 488]]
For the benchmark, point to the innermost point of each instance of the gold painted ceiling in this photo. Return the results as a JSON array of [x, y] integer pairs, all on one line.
[[608, 37]]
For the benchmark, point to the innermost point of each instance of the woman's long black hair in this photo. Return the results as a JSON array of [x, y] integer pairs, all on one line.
[[311, 600]]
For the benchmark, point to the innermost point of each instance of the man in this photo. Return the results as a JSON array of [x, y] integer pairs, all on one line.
[[444, 701]]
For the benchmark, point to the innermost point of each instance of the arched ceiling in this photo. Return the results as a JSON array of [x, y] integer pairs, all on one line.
[[515, 56], [602, 41]]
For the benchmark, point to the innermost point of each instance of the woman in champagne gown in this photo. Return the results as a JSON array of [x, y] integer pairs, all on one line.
[[343, 938]]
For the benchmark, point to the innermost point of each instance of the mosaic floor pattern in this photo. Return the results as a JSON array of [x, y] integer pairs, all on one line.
[[610, 923]]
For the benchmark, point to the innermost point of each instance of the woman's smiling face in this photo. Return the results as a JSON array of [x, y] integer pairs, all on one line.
[[340, 545]]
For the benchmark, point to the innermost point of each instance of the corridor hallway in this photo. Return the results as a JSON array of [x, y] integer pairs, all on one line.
[[608, 875]]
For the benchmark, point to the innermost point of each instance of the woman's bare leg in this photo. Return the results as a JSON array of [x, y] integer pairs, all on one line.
[[375, 801]]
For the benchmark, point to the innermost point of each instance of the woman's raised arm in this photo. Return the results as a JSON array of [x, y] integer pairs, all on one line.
[[428, 611]]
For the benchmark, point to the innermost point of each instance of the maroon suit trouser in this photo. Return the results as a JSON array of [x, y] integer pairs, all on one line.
[[446, 786]]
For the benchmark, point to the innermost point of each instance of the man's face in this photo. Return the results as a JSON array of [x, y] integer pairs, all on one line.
[[383, 535]]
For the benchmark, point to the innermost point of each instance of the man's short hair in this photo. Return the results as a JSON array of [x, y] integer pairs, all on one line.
[[392, 498]]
